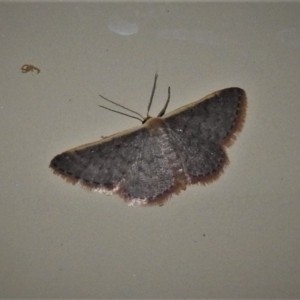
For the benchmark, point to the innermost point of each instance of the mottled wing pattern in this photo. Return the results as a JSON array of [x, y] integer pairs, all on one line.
[[151, 176], [128, 164], [202, 160], [102, 164], [214, 118], [204, 127]]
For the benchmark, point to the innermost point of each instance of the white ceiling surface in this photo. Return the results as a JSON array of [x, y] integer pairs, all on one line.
[[237, 237]]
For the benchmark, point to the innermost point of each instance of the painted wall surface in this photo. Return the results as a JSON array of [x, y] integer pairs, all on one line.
[[236, 237]]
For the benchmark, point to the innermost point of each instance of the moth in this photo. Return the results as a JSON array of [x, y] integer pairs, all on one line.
[[147, 164]]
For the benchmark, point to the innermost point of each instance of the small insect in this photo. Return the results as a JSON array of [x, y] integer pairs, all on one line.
[[30, 68], [149, 163]]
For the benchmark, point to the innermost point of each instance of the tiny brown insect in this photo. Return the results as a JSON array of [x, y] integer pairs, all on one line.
[[30, 68]]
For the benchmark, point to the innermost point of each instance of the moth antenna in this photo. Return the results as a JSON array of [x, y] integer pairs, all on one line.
[[142, 120], [166, 105], [115, 103], [152, 94]]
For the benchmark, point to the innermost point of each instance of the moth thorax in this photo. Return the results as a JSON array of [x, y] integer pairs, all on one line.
[[155, 123]]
